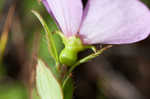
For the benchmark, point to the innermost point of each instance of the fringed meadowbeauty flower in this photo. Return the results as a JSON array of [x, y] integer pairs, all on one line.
[[102, 21]]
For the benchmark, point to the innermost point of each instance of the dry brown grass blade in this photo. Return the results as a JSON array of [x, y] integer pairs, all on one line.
[[32, 65], [7, 25]]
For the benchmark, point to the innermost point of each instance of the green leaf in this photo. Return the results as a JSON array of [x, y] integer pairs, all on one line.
[[47, 85], [58, 42], [49, 37], [45, 55]]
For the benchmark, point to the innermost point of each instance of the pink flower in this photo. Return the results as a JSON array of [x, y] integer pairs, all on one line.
[[102, 21]]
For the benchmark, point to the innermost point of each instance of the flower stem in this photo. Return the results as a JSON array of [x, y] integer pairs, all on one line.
[[83, 60]]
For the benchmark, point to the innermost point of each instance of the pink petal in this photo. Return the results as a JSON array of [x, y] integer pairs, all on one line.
[[68, 14], [47, 6], [115, 22]]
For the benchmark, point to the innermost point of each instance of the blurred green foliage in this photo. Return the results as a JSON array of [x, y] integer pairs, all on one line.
[[13, 91], [1, 5], [147, 2]]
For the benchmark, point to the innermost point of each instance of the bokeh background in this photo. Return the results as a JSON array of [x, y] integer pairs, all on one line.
[[121, 72]]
